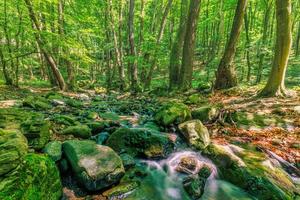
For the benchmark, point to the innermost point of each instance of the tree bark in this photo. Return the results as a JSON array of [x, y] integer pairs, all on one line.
[[176, 51], [226, 75], [275, 85], [133, 64], [189, 45], [43, 48]]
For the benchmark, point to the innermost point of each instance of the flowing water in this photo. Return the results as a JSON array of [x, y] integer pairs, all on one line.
[[166, 177]]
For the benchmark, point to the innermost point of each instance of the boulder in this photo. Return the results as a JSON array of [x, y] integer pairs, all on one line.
[[81, 131], [36, 178], [54, 150], [95, 166], [172, 113], [252, 171], [205, 113], [37, 132], [13, 147], [140, 142], [196, 133], [37, 103]]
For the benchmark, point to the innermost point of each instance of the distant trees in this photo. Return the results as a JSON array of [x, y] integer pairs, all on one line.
[[275, 85]]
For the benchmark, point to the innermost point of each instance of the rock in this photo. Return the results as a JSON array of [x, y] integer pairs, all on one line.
[[120, 190], [151, 125], [100, 126], [83, 97], [37, 132], [140, 142], [128, 161], [81, 131], [64, 120], [102, 138], [63, 165], [74, 103], [205, 113], [36, 178], [13, 147], [248, 170], [196, 133], [37, 103], [196, 99], [54, 150], [297, 109], [187, 165], [57, 102], [95, 166], [172, 113]]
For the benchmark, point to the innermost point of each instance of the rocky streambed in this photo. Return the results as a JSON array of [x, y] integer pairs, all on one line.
[[54, 146]]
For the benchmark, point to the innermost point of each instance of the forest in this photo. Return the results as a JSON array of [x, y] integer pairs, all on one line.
[[150, 99]]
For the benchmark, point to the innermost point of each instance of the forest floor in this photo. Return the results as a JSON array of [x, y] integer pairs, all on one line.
[[272, 123]]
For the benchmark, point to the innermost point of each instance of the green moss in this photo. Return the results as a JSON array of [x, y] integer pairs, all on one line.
[[74, 103], [37, 178], [13, 147], [37, 103], [64, 120], [11, 118], [205, 113], [54, 150], [81, 131], [120, 190], [172, 112], [37, 132], [140, 142]]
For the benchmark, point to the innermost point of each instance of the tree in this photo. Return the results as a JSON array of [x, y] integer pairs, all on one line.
[[226, 75], [41, 42], [133, 63], [275, 85], [189, 45]]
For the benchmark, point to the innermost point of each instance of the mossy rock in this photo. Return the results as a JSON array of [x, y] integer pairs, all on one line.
[[110, 116], [54, 96], [140, 142], [172, 113], [37, 132], [120, 190], [196, 99], [253, 172], [95, 166], [37, 178], [74, 103], [13, 147], [11, 118], [81, 131], [205, 113], [54, 150], [37, 103], [66, 120]]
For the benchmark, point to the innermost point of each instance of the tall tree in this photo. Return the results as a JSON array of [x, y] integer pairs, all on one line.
[[41, 42], [226, 75], [133, 63], [176, 51], [275, 85], [189, 45]]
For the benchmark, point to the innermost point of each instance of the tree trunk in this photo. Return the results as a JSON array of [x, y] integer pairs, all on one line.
[[189, 45], [275, 85], [43, 48], [226, 75], [133, 64], [298, 41], [246, 21], [176, 51]]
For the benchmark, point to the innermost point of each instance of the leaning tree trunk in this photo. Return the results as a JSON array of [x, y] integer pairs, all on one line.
[[275, 85], [189, 45], [41, 43], [226, 75]]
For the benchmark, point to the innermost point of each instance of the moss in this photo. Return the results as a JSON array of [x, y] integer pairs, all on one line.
[[37, 132], [110, 116], [64, 120], [95, 166], [196, 99], [205, 113], [11, 118], [37, 178], [257, 179], [140, 142], [54, 150], [13, 147], [81, 131], [120, 190], [172, 112], [54, 95], [74, 103], [37, 103]]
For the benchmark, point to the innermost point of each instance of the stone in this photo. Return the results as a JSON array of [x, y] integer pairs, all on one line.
[[13, 147], [205, 113], [36, 178], [140, 142], [187, 165], [247, 169], [120, 190], [196, 133], [37, 103], [128, 161], [172, 113], [54, 150], [101, 138], [81, 131], [37, 131], [95, 166]]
